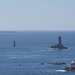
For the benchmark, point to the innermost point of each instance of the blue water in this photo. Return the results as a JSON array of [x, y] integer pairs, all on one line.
[[32, 49]]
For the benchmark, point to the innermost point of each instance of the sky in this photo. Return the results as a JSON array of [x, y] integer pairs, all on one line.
[[37, 15]]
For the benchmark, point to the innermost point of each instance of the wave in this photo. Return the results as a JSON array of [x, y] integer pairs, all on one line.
[[61, 70]]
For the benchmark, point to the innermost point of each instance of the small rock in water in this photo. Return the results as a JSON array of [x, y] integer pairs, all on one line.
[[63, 63], [42, 63], [72, 64], [20, 65], [72, 68]]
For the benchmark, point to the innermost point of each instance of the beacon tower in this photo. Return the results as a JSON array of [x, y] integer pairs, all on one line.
[[59, 40], [59, 45]]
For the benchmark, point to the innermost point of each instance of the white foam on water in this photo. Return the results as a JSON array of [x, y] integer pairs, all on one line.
[[73, 61], [13, 57], [61, 70]]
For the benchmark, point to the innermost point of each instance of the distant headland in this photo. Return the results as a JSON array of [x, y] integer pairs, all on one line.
[[59, 45]]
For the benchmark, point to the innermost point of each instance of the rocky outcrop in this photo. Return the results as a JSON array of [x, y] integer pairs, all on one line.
[[72, 64], [42, 63], [72, 68], [58, 46], [63, 63]]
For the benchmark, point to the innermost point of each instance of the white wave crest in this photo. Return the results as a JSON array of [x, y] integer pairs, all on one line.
[[61, 70]]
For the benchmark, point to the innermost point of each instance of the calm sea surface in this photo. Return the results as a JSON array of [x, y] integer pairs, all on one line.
[[32, 49]]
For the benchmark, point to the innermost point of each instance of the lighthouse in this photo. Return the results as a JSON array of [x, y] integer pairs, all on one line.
[[59, 45], [59, 40]]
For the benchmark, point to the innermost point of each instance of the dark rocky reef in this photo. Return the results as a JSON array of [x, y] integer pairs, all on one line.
[[72, 64], [59, 45], [72, 68], [63, 63]]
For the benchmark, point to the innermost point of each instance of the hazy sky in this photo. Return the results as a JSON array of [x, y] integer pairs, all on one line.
[[37, 15]]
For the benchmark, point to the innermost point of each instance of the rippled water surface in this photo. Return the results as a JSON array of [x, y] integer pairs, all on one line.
[[32, 49]]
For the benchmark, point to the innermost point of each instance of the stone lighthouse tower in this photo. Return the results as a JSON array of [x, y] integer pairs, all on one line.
[[59, 40], [59, 45]]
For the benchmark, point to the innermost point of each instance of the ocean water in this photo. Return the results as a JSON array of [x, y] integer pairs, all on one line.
[[32, 49]]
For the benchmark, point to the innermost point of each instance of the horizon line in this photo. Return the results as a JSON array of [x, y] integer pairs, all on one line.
[[35, 30]]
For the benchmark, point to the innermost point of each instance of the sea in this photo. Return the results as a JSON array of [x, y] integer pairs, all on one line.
[[32, 52]]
